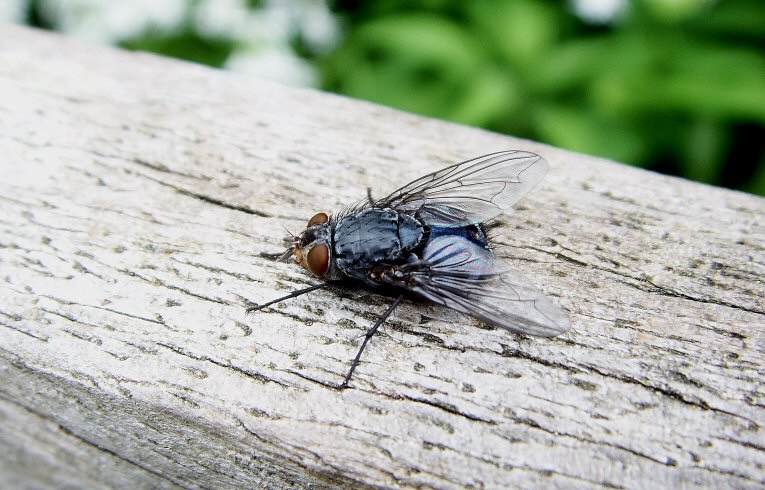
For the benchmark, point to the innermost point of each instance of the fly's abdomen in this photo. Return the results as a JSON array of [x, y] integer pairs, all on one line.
[[476, 233], [373, 236]]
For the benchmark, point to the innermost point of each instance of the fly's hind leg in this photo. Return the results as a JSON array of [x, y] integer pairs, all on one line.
[[368, 336], [369, 196]]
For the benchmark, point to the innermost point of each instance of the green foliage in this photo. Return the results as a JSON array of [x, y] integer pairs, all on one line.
[[669, 85], [184, 44], [673, 85]]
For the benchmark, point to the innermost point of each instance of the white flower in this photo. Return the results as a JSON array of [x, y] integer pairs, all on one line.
[[13, 10], [111, 21], [275, 63], [599, 11]]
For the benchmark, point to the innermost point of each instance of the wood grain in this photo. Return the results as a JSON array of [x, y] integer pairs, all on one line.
[[136, 196]]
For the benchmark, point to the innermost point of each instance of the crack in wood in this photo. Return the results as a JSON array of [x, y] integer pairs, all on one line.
[[95, 445], [164, 284], [641, 282], [261, 378]]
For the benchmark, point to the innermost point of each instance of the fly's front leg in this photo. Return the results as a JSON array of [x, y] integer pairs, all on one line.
[[293, 294], [368, 336]]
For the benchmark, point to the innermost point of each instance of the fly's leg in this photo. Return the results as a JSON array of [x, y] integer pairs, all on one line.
[[282, 256], [369, 196], [368, 336], [293, 294]]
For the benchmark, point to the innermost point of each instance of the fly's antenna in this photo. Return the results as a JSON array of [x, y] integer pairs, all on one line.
[[292, 238], [292, 235]]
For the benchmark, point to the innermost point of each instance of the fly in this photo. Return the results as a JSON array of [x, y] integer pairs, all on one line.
[[429, 238]]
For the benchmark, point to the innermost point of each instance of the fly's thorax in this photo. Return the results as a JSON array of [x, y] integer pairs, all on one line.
[[372, 237]]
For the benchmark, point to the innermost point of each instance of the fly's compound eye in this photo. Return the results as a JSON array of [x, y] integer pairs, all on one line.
[[318, 219], [317, 261]]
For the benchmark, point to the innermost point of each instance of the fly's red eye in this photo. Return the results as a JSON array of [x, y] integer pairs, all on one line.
[[318, 219], [317, 261]]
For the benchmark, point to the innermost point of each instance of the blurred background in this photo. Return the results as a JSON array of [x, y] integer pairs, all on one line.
[[676, 86]]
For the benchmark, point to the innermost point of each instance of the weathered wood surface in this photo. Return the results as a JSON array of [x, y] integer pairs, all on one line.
[[136, 194]]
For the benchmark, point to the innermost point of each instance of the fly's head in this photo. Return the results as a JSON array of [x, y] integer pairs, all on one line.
[[312, 247]]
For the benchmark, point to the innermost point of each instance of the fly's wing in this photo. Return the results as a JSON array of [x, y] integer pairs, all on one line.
[[462, 275], [470, 192]]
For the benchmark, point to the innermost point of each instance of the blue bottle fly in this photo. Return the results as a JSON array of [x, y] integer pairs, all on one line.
[[428, 238]]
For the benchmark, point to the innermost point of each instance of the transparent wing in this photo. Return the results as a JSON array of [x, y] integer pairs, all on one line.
[[464, 276], [470, 192]]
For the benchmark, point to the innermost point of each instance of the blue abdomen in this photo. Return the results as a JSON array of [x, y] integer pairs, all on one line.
[[475, 233]]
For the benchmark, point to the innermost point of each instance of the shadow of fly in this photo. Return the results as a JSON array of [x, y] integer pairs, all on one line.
[[429, 238]]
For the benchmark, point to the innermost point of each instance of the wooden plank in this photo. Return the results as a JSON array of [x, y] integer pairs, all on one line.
[[137, 194]]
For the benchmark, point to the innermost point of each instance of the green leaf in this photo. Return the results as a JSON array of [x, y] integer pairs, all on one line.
[[703, 150], [585, 131], [491, 97], [420, 63], [521, 30], [185, 45], [757, 184]]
